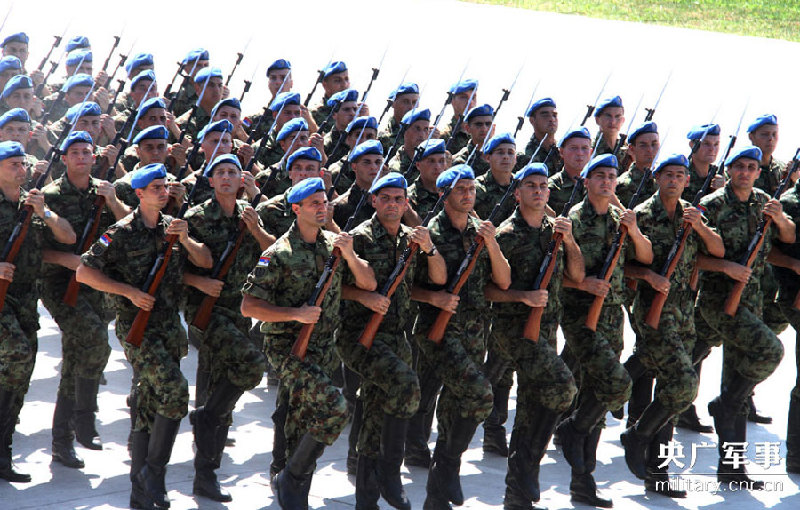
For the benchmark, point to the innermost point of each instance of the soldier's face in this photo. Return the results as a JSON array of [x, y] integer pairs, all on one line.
[[155, 195], [290, 111], [153, 117], [478, 127], [672, 180], [390, 204], [462, 198], [644, 149], [152, 151], [299, 142], [430, 168], [210, 143], [611, 118], [275, 79], [89, 123], [601, 182], [303, 169], [336, 83], [7, 75], [213, 92], [79, 159], [533, 193], [765, 138], [707, 151], [76, 94], [366, 168], [16, 49], [354, 139], [229, 113], [345, 115], [462, 103], [12, 171], [545, 120], [576, 153], [143, 87], [744, 172], [15, 132], [192, 68], [503, 158], [20, 98], [313, 210], [84, 68], [416, 133], [404, 103], [226, 179]]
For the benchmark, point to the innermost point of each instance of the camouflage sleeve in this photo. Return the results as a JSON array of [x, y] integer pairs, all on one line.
[[264, 280], [104, 252]]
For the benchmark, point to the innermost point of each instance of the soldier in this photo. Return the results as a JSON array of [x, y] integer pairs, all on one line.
[[466, 399], [643, 146], [279, 78], [478, 124], [138, 63], [234, 363], [605, 385], [417, 126], [75, 90], [344, 108], [461, 92], [575, 149], [389, 386], [546, 385], [18, 93], [153, 113], [15, 126], [78, 61], [500, 154], [275, 293], [195, 61], [366, 160], [118, 263], [212, 93], [215, 140], [609, 114], [17, 45], [403, 99], [142, 88], [19, 316], [422, 194], [84, 327], [335, 79], [543, 116], [9, 67], [288, 104], [293, 136], [87, 116], [360, 129], [667, 350], [752, 351]]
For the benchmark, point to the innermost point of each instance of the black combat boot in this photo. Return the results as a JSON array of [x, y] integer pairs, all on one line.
[[690, 421], [279, 432], [138, 449], [83, 415], [367, 492], [63, 436], [151, 478], [736, 475], [443, 478], [637, 439], [419, 426], [657, 476], [352, 437], [292, 484], [793, 436], [206, 419], [641, 397], [8, 422], [393, 436], [494, 430], [205, 479], [582, 487], [753, 416], [575, 429], [527, 448], [727, 406]]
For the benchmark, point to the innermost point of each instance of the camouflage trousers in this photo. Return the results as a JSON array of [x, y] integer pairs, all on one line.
[[793, 316], [315, 405], [598, 353], [751, 349], [457, 362], [499, 365], [542, 376], [774, 316], [389, 386], [667, 352], [84, 337], [17, 357], [160, 384]]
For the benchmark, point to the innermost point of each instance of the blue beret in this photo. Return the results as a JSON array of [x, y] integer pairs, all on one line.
[[496, 140], [478, 111], [283, 99], [647, 127], [76, 137], [603, 160], [390, 180], [578, 132], [231, 101], [404, 88], [153, 102], [225, 158], [87, 109], [362, 122], [223, 126], [432, 146], [193, 55], [294, 125], [148, 75], [206, 73], [463, 86], [77, 80], [147, 174], [672, 159], [446, 178], [364, 148], [11, 150], [309, 153], [15, 115], [413, 116], [343, 96], [78, 57], [278, 65], [763, 120], [334, 68], [698, 132], [77, 43], [138, 60], [19, 81], [541, 103], [10, 62], [749, 151], [21, 37], [304, 189], [609, 102], [531, 169], [152, 133]]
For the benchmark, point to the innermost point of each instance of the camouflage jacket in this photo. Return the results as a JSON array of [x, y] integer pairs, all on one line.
[[788, 279], [331, 140], [769, 178], [185, 99], [488, 193], [479, 165], [345, 205], [401, 161], [460, 140], [346, 179], [389, 133], [554, 162], [628, 183], [695, 183], [272, 152], [276, 214], [321, 111], [275, 184], [420, 199], [561, 186], [193, 125]]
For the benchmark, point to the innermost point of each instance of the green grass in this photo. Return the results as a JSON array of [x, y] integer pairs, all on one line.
[[777, 19]]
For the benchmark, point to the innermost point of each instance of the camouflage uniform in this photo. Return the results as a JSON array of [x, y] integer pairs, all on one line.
[[695, 183], [604, 148], [126, 253], [285, 276], [345, 205], [321, 111], [271, 154], [561, 186], [331, 140], [628, 183], [195, 124], [488, 193], [277, 184], [251, 123], [479, 165], [347, 178], [388, 134], [388, 383], [276, 214], [460, 139], [421, 200], [554, 162], [400, 163], [186, 98]]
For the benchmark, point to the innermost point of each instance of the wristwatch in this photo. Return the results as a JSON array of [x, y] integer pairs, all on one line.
[[433, 251], [48, 214]]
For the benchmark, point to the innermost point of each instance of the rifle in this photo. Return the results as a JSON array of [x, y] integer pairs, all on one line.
[[255, 128], [398, 273], [436, 333], [591, 107], [375, 72], [248, 83], [320, 77], [546, 268], [193, 111], [110, 53], [390, 100], [122, 60], [61, 93], [732, 303], [239, 57], [53, 66], [263, 145], [460, 121], [55, 45], [652, 111], [168, 90], [624, 136], [521, 118], [117, 92]]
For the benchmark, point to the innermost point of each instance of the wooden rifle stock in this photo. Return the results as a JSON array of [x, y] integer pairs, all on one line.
[[13, 246], [732, 302], [300, 346], [597, 305], [534, 322], [654, 313], [70, 297]]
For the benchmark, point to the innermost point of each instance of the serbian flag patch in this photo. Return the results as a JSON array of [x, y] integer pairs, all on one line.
[[105, 240], [263, 262]]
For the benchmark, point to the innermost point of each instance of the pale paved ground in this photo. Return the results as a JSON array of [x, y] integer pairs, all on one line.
[[434, 38]]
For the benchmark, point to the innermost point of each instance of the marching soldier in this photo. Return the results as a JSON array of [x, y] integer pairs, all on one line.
[[422, 194], [15, 126], [543, 116], [403, 99], [575, 150], [461, 92], [195, 61], [278, 79], [212, 94], [417, 123], [500, 155], [609, 115], [360, 129], [366, 159], [478, 123], [643, 146], [289, 106], [344, 105], [335, 79]]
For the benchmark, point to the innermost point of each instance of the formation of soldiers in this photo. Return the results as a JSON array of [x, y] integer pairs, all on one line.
[[392, 273]]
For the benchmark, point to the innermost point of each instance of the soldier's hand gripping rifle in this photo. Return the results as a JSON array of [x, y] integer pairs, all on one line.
[[749, 258]]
